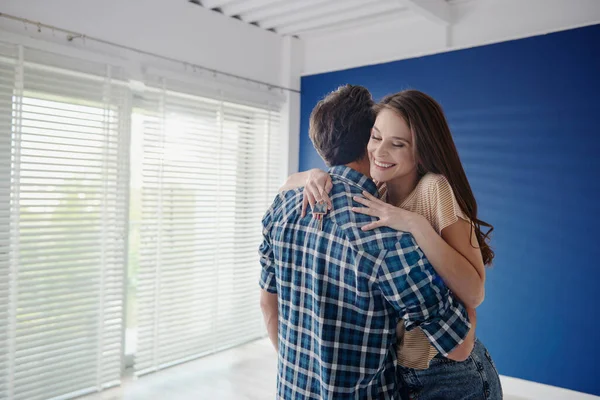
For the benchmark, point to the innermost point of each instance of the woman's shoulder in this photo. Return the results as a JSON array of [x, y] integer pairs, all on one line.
[[433, 184], [435, 199], [431, 178]]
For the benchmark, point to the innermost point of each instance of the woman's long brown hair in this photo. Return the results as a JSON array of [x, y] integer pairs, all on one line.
[[436, 152]]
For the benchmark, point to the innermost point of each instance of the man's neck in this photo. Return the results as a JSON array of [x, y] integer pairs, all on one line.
[[362, 166]]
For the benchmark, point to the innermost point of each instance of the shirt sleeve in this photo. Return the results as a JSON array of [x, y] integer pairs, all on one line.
[[444, 207], [406, 280], [267, 259]]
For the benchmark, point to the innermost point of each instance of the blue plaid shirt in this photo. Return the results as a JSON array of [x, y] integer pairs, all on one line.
[[341, 293]]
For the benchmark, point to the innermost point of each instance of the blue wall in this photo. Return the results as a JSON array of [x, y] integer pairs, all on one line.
[[525, 116]]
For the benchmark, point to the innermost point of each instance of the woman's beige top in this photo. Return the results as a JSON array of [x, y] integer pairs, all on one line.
[[434, 199]]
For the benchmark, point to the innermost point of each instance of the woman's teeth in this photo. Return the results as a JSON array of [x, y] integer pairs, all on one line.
[[383, 165]]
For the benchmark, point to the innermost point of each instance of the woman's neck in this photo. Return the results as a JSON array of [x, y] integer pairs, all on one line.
[[398, 189]]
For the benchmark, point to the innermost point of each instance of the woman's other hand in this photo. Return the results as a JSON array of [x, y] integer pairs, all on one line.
[[391, 216]]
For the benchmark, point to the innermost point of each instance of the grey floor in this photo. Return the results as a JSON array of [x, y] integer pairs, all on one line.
[[243, 373], [247, 372]]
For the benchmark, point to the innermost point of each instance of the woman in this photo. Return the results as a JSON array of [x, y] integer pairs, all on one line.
[[425, 191]]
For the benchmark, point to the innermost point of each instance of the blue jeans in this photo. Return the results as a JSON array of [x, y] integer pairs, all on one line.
[[476, 378]]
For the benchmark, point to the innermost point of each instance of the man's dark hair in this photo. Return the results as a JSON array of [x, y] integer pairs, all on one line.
[[340, 125]]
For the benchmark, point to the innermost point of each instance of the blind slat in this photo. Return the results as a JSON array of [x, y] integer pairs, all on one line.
[[196, 174], [65, 209]]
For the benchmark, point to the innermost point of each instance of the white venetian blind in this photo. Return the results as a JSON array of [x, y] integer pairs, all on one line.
[[63, 192], [8, 56], [210, 169]]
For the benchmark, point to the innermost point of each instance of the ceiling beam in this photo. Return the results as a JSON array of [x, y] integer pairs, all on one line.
[[214, 3], [322, 11], [330, 20], [279, 9], [387, 17], [247, 6], [437, 11]]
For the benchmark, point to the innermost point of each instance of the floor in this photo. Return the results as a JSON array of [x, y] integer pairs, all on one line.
[[247, 372], [244, 373]]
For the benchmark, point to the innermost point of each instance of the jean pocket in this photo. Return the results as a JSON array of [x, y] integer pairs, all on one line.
[[440, 360]]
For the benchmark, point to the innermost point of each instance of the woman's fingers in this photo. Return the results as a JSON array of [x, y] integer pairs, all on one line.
[[328, 184], [314, 191], [324, 196], [362, 201], [328, 187], [369, 195], [314, 194], [372, 198], [372, 225], [304, 204], [329, 202], [311, 200], [366, 211]]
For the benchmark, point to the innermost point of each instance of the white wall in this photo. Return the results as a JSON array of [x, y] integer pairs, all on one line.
[[171, 28], [176, 29], [476, 22], [291, 72]]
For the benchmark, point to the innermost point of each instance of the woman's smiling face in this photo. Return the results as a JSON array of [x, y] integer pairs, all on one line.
[[391, 147]]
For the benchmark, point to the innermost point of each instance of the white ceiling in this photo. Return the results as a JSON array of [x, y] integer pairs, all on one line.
[[309, 17]]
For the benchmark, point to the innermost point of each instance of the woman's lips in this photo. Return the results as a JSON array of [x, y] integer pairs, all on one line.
[[382, 165]]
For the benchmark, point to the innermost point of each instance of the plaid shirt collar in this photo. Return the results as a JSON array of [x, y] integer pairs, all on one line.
[[354, 177]]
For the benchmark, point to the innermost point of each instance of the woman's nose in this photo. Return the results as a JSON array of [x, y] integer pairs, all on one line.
[[381, 151]]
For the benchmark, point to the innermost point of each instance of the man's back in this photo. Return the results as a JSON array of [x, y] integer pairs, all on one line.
[[341, 293]]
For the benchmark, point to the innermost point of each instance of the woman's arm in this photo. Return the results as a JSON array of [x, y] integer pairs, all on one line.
[[455, 258], [295, 181], [317, 185]]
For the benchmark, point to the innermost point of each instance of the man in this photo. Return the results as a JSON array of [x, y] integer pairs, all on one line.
[[332, 293]]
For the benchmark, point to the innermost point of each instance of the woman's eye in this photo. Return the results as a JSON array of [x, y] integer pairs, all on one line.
[[398, 144], [375, 138]]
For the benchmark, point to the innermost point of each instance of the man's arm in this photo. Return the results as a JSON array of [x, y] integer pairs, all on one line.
[[268, 295], [408, 282], [268, 304]]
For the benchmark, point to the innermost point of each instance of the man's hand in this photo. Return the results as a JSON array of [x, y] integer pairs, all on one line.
[[268, 304]]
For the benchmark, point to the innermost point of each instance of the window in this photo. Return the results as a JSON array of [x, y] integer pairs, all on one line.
[[125, 216], [206, 176], [64, 197]]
